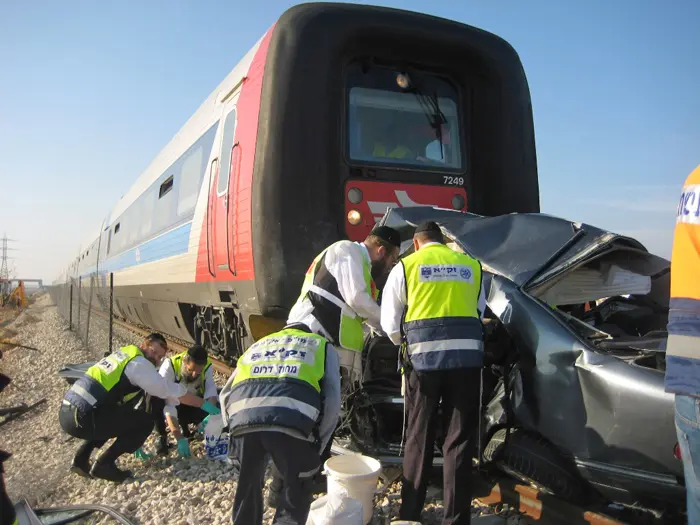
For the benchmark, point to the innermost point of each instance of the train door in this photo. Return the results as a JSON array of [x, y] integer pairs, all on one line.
[[222, 204]]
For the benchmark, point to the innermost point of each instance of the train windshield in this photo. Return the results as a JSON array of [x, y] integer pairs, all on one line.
[[403, 118]]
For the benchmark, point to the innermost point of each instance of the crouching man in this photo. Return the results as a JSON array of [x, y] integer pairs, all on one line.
[[283, 399], [103, 404], [192, 369]]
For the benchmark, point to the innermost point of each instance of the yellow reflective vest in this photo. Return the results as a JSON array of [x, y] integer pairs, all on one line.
[[105, 382], [441, 326], [343, 325], [278, 383]]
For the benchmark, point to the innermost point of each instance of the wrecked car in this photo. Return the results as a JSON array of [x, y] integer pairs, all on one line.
[[573, 393]]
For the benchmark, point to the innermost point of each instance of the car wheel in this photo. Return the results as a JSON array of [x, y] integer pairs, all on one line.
[[533, 460]]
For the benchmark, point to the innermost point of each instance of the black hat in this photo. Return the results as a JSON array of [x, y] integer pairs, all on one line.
[[388, 235], [428, 226]]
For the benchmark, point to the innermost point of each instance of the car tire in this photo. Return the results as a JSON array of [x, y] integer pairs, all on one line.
[[533, 460]]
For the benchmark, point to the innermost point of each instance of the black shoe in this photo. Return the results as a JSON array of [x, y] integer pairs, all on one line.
[[110, 472], [81, 465], [162, 446]]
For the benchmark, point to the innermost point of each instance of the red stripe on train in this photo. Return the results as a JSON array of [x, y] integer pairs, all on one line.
[[240, 190]]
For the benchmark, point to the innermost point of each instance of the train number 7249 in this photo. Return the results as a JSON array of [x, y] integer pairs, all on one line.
[[453, 181]]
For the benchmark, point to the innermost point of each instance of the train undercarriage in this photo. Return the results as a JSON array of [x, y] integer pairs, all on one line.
[[221, 330]]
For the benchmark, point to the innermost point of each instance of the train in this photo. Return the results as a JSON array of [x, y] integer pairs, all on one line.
[[337, 113]]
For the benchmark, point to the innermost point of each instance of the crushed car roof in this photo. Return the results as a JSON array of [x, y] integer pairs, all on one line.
[[523, 247]]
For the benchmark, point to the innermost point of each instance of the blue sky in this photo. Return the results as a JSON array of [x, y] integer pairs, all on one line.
[[91, 91]]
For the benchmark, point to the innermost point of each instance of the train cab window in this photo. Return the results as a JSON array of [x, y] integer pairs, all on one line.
[[404, 119]]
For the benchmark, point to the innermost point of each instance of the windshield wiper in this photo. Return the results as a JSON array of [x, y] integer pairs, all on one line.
[[431, 109]]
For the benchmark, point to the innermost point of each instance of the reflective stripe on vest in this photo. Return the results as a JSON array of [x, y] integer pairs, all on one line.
[[278, 383], [176, 362], [104, 382], [441, 325], [345, 326], [683, 346]]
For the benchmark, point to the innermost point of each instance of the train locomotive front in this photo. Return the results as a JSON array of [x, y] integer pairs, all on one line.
[[365, 108]]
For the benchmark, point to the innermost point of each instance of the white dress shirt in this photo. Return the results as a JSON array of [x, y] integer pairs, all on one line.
[[344, 261], [168, 372], [141, 373], [394, 302]]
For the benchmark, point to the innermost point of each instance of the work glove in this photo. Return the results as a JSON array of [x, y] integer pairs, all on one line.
[[183, 448], [203, 425], [210, 409], [140, 454]]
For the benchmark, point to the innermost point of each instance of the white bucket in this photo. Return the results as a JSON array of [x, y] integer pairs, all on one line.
[[358, 475]]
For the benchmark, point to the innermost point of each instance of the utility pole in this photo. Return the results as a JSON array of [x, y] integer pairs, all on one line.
[[5, 285]]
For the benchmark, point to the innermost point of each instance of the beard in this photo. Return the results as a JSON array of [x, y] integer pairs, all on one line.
[[189, 379], [380, 273]]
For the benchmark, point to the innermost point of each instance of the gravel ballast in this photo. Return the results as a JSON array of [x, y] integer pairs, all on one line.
[[165, 490]]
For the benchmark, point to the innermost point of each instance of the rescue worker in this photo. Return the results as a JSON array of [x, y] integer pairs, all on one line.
[[191, 368], [102, 405], [432, 306], [340, 288], [283, 399], [683, 347], [340, 293]]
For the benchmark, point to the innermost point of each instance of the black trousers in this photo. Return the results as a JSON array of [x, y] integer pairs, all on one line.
[[297, 462], [131, 428], [185, 415], [459, 391], [278, 482]]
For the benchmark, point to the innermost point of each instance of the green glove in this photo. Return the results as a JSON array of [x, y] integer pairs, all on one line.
[[203, 425], [210, 409], [183, 448], [140, 454]]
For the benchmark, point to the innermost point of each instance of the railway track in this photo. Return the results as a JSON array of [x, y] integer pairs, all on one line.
[[175, 346]]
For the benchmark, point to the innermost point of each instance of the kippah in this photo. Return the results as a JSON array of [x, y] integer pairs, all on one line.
[[388, 234], [428, 226]]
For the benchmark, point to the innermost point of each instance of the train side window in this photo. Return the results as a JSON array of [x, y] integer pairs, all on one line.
[[388, 123], [164, 209], [166, 187], [226, 147], [116, 228], [109, 241], [190, 177], [148, 210]]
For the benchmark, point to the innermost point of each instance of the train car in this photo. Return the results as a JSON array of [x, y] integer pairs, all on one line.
[[337, 113]]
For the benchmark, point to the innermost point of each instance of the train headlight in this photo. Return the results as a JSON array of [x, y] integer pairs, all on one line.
[[403, 81], [354, 217], [355, 195], [458, 202]]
